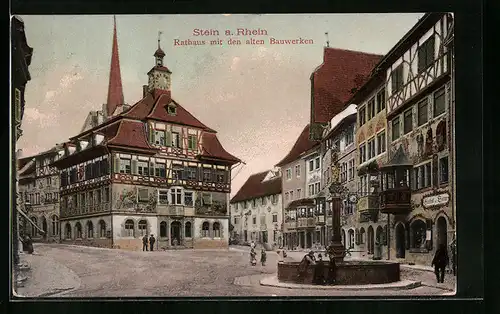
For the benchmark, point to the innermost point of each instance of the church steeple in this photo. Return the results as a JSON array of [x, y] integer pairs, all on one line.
[[159, 75], [115, 88]]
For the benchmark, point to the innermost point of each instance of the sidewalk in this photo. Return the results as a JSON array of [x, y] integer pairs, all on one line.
[[46, 277]]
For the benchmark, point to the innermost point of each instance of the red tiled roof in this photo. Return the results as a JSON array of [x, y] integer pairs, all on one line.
[[130, 134], [212, 148], [332, 82], [254, 187], [302, 145]]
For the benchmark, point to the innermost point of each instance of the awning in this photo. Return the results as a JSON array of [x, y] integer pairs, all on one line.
[[30, 221]]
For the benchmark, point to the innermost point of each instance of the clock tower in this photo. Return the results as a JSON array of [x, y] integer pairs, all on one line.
[[159, 75]]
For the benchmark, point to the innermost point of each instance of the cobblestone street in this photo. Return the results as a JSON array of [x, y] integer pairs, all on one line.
[[116, 273]]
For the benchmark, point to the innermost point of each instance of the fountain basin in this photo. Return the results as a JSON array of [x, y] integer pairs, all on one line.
[[348, 272]]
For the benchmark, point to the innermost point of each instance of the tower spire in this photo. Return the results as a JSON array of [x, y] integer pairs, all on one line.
[[115, 89]]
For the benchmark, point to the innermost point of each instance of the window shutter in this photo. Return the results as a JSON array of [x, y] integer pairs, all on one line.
[[134, 166], [168, 138], [116, 164]]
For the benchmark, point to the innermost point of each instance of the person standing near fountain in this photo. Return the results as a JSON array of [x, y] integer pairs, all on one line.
[[307, 260], [332, 269], [263, 257], [253, 260], [319, 271]]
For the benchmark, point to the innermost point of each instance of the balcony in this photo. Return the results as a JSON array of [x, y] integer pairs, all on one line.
[[395, 201], [306, 222], [176, 210], [291, 225], [368, 207]]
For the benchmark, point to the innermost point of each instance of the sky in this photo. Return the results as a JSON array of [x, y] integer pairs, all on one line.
[[257, 97]]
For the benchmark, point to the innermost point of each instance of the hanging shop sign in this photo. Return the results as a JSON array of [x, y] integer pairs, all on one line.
[[436, 200]]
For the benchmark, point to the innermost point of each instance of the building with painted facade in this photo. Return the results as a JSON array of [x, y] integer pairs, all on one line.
[[151, 169], [39, 189], [257, 210], [416, 182]]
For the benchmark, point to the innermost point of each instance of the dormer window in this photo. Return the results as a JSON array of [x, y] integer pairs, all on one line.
[[172, 109]]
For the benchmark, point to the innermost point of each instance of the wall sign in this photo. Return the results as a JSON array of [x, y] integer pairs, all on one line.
[[436, 200]]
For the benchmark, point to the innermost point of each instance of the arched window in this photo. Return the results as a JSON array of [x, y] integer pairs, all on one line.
[[187, 230], [129, 228], [78, 230], [362, 235], [351, 238], [55, 225], [90, 229], [34, 230], [143, 228], [163, 229], [371, 240], [205, 229], [67, 231], [102, 229], [418, 234], [216, 229]]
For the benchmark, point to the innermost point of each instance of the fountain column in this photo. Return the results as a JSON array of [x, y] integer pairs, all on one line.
[[336, 246]]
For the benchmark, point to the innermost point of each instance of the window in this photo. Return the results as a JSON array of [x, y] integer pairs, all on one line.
[[351, 169], [125, 165], [142, 195], [291, 195], [91, 198], [102, 228], [98, 197], [426, 54], [264, 200], [67, 230], [397, 78], [362, 153], [381, 100], [192, 173], [78, 230], [371, 108], [82, 199], [163, 196], [90, 229], [236, 220], [443, 170], [192, 142], [349, 136], [395, 129], [274, 199], [187, 229], [351, 238], [363, 185], [317, 163], [205, 229], [287, 196], [254, 203], [418, 234], [220, 176], [439, 102], [299, 193], [49, 181], [171, 109], [275, 217], [422, 112], [316, 187], [423, 176], [176, 196], [408, 121], [216, 229], [129, 228], [160, 137], [207, 175], [343, 172], [188, 198], [177, 172], [176, 139], [163, 229], [311, 165], [143, 168], [381, 143], [143, 227], [297, 171], [311, 189], [371, 148], [288, 174], [362, 116], [362, 236], [55, 225], [106, 195], [254, 220]]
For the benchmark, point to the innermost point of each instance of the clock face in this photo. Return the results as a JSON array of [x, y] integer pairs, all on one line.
[[162, 82]]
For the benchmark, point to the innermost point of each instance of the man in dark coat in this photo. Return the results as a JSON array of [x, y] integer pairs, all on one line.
[[307, 260], [319, 271], [151, 242], [439, 262], [145, 242], [332, 268]]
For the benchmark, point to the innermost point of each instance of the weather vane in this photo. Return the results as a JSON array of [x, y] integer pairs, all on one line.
[[327, 40], [159, 34]]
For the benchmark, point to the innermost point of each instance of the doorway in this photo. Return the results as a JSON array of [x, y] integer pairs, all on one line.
[[175, 233], [44, 227], [400, 241], [371, 240], [442, 231], [309, 239]]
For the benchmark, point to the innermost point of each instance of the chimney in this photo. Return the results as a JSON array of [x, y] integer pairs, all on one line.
[[144, 91]]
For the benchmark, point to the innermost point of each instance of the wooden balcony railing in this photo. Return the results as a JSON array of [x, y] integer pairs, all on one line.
[[395, 201]]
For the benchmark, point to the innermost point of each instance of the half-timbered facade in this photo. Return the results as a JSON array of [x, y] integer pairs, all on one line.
[[152, 169], [39, 190], [419, 141]]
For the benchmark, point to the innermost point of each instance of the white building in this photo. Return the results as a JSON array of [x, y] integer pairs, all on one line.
[[256, 210]]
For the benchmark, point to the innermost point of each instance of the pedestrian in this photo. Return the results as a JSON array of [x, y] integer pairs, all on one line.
[[29, 244], [252, 244], [453, 249], [319, 271], [253, 260], [332, 268], [263, 257], [307, 260], [439, 262], [175, 242], [152, 241], [145, 242]]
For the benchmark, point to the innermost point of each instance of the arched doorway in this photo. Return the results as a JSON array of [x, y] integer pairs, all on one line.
[[371, 240], [442, 231], [175, 232], [400, 241], [44, 227], [309, 239]]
